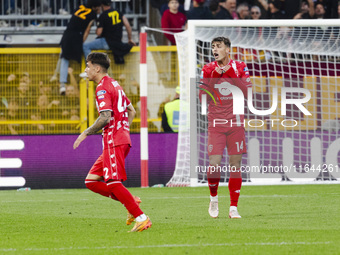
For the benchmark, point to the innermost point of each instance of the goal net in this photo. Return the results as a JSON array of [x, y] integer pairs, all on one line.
[[295, 63]]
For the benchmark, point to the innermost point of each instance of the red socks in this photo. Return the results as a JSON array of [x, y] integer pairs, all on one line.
[[125, 197], [116, 191], [99, 187], [234, 185], [213, 181]]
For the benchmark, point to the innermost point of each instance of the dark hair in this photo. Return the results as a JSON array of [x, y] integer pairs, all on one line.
[[225, 40], [172, 0], [213, 5], [317, 3], [106, 2], [93, 3], [305, 2], [99, 58]]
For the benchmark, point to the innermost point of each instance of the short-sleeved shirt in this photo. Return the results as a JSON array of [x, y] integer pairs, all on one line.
[[223, 108], [81, 19], [72, 40], [112, 23], [111, 97]]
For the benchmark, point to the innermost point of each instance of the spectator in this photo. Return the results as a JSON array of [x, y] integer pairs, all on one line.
[[165, 6], [198, 11], [306, 10], [110, 33], [75, 34], [170, 116], [291, 8], [275, 10], [330, 7], [230, 6], [173, 20], [217, 11], [12, 115], [9, 6], [339, 10], [255, 12], [243, 11], [263, 5], [319, 11]]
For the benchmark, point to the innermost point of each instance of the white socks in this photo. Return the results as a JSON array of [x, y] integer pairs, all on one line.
[[232, 208], [214, 199], [141, 217]]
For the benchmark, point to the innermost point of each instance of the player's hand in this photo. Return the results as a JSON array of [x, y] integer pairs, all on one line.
[[132, 43], [80, 138]]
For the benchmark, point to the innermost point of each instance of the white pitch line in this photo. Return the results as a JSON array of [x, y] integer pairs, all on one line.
[[165, 246], [184, 197]]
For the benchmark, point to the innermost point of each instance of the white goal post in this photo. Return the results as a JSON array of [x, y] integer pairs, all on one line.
[[280, 54]]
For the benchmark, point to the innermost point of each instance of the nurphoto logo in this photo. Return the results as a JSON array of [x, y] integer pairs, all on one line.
[[229, 91]]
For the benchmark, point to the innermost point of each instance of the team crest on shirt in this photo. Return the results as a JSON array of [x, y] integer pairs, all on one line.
[[101, 104], [210, 147], [101, 92]]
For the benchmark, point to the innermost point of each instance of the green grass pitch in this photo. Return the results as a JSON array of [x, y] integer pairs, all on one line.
[[293, 219]]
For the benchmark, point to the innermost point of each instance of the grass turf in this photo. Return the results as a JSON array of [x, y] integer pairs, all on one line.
[[294, 219]]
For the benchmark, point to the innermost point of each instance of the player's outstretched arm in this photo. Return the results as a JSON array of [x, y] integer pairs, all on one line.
[[102, 121], [131, 113]]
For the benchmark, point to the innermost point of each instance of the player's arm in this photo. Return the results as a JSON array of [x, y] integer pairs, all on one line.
[[99, 31], [128, 30], [311, 8], [87, 31], [242, 82], [101, 121], [131, 113], [207, 82]]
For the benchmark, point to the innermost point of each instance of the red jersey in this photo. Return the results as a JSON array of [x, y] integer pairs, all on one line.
[[173, 23], [237, 75], [111, 97]]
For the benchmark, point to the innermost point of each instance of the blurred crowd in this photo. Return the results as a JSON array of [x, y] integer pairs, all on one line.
[[174, 17]]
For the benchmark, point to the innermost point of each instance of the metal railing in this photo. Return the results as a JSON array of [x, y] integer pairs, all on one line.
[[22, 16]]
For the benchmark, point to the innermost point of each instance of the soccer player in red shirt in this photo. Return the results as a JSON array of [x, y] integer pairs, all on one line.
[[224, 128], [115, 116]]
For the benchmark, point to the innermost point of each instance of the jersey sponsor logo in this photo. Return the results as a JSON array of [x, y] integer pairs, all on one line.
[[102, 104], [101, 92], [101, 97], [245, 69]]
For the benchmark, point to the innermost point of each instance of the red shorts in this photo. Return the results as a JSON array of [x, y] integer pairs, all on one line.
[[234, 139], [111, 164]]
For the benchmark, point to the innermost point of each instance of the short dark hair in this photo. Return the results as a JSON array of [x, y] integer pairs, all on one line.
[[225, 40], [99, 58], [106, 2], [93, 3], [305, 2]]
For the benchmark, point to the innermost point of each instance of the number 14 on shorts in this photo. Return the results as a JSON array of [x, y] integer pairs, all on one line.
[[239, 146]]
